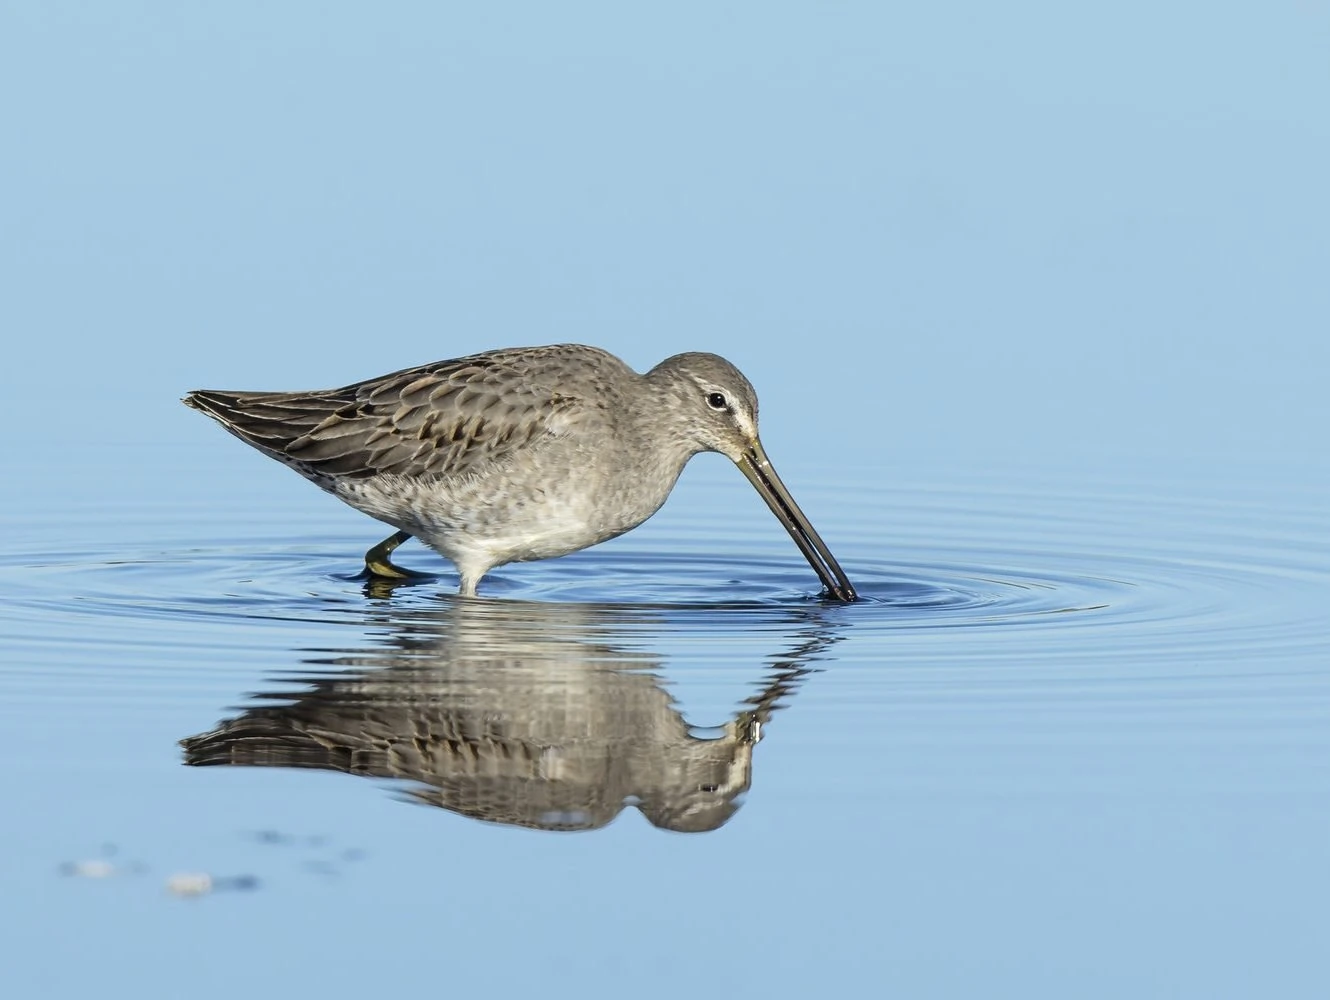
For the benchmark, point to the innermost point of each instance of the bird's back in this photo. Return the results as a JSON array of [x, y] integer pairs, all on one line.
[[449, 418]]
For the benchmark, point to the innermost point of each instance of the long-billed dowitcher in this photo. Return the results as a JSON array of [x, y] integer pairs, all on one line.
[[517, 454]]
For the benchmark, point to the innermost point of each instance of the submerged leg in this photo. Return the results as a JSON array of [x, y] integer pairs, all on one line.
[[470, 571], [377, 560]]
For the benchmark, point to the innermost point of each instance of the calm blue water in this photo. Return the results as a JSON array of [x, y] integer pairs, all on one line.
[[1062, 716], [1035, 301]]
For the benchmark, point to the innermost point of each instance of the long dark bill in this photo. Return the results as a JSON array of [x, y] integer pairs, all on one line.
[[757, 467]]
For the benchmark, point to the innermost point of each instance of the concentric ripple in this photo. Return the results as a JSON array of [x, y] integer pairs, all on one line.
[[1099, 572]]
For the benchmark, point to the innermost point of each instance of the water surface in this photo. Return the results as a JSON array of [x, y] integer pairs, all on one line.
[[1058, 712]]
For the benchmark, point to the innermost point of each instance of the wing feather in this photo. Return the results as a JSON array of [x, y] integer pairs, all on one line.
[[451, 418]]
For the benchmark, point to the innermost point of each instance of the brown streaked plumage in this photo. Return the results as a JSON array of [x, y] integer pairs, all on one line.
[[517, 454]]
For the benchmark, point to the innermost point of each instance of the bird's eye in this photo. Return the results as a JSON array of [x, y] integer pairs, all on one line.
[[717, 401]]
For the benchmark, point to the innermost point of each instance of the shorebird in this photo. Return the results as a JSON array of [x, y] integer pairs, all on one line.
[[517, 454]]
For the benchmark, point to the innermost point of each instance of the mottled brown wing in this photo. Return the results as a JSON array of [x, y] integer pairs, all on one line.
[[445, 419]]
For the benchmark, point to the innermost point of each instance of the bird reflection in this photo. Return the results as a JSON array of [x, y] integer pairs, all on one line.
[[546, 716]]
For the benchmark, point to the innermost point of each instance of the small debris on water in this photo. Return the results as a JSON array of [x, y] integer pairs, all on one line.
[[96, 868], [189, 884], [196, 884], [193, 884], [102, 867]]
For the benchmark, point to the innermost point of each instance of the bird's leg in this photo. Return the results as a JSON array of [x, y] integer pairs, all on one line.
[[470, 572], [378, 563]]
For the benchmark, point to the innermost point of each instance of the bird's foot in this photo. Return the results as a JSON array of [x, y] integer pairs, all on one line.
[[378, 562]]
